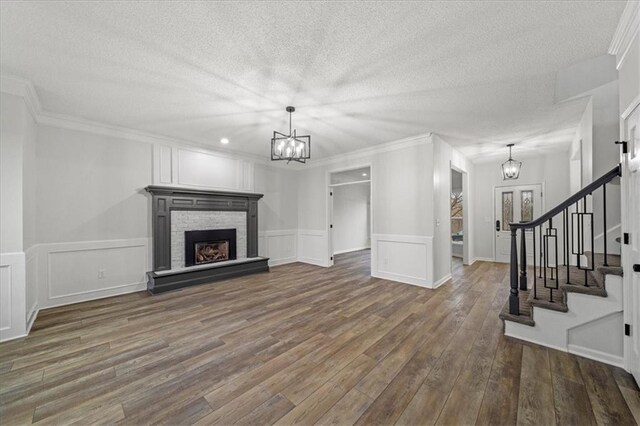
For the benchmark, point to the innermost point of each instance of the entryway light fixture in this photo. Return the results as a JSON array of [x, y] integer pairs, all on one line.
[[511, 167], [290, 147]]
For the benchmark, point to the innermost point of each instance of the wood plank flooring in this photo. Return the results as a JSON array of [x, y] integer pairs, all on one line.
[[304, 345]]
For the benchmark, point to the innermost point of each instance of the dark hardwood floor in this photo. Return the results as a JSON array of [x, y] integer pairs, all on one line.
[[304, 345]]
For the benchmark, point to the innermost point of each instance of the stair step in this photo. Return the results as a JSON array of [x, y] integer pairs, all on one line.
[[525, 317], [595, 287]]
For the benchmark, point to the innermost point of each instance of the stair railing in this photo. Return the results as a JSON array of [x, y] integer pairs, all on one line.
[[577, 237]]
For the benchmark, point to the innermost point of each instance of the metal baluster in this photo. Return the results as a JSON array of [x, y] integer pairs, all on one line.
[[514, 303], [556, 253], [577, 238], [566, 247], [535, 290], [584, 210], [564, 237], [546, 262], [548, 232], [604, 211], [523, 261], [541, 252]]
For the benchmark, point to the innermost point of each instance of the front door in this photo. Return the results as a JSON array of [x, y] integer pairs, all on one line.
[[631, 251], [515, 204]]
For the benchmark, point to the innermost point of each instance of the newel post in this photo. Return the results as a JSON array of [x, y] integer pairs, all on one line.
[[523, 262], [514, 303]]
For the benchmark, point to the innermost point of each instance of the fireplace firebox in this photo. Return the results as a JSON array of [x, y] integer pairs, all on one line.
[[209, 246]]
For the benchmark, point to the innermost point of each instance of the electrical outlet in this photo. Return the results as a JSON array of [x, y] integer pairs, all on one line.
[[101, 274], [385, 261]]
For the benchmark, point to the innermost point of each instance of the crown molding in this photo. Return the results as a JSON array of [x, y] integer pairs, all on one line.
[[24, 88], [78, 124], [628, 29]]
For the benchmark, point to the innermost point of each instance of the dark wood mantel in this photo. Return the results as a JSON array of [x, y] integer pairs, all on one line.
[[166, 199]]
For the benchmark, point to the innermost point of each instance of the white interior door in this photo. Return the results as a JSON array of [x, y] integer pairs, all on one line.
[[515, 204], [631, 251]]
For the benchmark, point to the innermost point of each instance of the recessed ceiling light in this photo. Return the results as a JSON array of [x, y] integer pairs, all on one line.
[[224, 141], [364, 174]]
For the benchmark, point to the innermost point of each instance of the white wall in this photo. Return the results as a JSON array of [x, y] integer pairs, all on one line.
[[91, 187], [12, 134], [17, 129], [351, 221], [402, 210], [596, 79], [91, 210], [277, 213], [446, 157], [551, 170], [628, 60]]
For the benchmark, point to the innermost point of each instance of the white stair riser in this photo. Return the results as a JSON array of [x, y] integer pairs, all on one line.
[[552, 328]]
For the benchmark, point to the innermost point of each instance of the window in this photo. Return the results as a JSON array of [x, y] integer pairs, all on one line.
[[507, 210], [456, 216], [526, 205]]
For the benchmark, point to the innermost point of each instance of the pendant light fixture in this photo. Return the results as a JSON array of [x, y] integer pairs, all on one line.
[[511, 167], [290, 147]]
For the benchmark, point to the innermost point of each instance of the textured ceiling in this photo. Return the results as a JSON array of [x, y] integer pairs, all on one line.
[[481, 74]]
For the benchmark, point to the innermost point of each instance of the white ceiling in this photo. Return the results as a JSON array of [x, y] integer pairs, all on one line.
[[481, 74]]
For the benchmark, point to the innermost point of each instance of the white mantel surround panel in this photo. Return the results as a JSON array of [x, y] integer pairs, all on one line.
[[201, 220]]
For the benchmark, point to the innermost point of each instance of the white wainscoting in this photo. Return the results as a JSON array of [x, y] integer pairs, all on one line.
[[80, 271], [31, 274], [404, 258], [200, 169], [279, 246], [313, 247], [12, 296]]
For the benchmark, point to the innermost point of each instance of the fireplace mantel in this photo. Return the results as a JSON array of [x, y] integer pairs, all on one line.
[[166, 199]]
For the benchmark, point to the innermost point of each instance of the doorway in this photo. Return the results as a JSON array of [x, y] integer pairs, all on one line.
[[457, 219], [349, 211], [521, 203]]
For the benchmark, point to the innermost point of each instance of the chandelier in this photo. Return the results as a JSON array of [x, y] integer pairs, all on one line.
[[290, 147], [511, 167]]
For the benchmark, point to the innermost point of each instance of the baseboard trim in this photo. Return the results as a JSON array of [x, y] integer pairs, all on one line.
[[596, 355], [405, 279], [117, 291], [441, 281], [33, 315], [312, 261], [482, 259], [537, 342], [351, 250], [283, 261]]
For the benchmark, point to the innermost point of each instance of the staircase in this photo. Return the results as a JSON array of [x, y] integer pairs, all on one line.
[[568, 288]]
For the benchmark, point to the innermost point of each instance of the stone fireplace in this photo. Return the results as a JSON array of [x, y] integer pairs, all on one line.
[[184, 221], [202, 236]]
